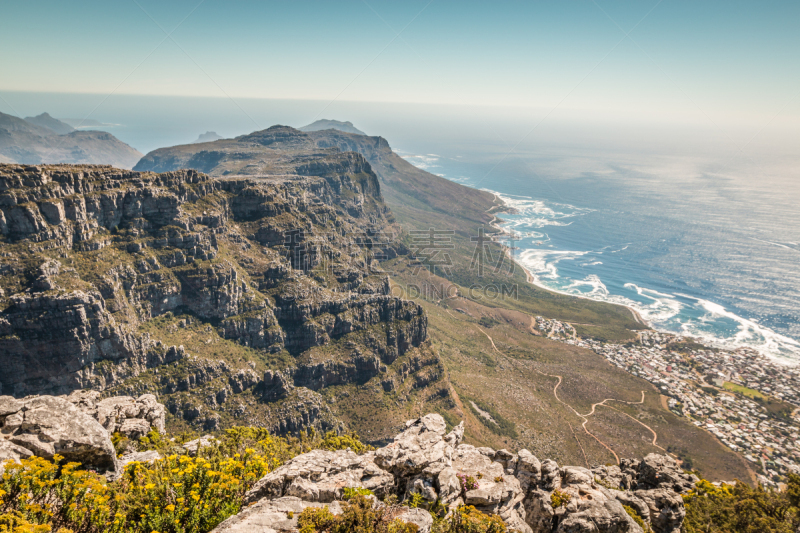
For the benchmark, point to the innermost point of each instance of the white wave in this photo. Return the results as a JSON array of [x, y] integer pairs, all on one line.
[[598, 288], [787, 244], [708, 322], [542, 263], [749, 333], [423, 161], [535, 213], [663, 306]]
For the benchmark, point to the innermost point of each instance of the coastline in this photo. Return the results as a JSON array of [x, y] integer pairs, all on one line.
[[501, 207]]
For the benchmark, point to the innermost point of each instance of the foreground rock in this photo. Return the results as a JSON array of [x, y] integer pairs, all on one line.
[[133, 417], [48, 425], [530, 496]]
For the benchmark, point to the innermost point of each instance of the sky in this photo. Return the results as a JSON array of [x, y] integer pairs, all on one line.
[[726, 62]]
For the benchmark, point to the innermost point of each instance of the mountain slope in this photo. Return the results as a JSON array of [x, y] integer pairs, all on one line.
[[27, 142], [46, 121]]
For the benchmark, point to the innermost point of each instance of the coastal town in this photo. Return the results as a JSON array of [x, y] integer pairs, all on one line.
[[749, 402]]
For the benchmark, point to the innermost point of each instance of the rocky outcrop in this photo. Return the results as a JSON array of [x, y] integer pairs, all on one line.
[[133, 417], [530, 496], [47, 426], [280, 264], [332, 473]]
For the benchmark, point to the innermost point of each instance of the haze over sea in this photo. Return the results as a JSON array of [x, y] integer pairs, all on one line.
[[700, 235]]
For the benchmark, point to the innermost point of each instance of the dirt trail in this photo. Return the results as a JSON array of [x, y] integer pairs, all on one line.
[[585, 417]]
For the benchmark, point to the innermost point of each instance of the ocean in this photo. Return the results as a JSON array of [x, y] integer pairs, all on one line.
[[699, 251], [693, 228]]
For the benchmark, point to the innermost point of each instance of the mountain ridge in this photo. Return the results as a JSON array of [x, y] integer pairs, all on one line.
[[30, 142], [46, 121]]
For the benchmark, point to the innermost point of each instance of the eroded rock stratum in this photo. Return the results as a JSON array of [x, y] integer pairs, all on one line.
[[235, 299]]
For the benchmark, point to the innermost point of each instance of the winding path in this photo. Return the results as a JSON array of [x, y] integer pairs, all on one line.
[[585, 417]]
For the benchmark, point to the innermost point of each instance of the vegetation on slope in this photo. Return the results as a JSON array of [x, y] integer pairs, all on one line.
[[740, 508], [183, 494]]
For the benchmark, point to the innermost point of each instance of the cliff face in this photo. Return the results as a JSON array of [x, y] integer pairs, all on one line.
[[237, 297]]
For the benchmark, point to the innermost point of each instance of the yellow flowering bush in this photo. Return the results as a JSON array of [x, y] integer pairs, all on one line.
[[45, 492], [180, 494], [175, 494], [467, 519]]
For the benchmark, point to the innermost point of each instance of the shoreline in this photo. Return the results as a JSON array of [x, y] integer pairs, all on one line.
[[530, 278], [500, 205]]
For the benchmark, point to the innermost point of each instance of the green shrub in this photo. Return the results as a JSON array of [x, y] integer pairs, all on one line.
[[352, 492], [467, 519], [358, 516], [638, 519], [120, 442], [742, 509], [488, 322], [416, 500], [501, 425], [559, 498]]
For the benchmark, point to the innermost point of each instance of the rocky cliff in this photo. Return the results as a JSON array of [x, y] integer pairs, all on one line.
[[432, 466], [235, 298]]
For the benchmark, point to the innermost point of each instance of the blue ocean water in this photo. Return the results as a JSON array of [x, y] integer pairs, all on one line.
[[696, 249]]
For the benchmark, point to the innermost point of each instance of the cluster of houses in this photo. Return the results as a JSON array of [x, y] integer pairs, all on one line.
[[749, 402]]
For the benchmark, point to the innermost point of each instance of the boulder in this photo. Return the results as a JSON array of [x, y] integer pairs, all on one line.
[[271, 516], [193, 446], [138, 457], [50, 425], [591, 508], [133, 417], [419, 517], [665, 508], [322, 476], [11, 452], [423, 445]]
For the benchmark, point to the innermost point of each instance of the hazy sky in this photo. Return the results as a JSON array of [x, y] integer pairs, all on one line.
[[691, 60]]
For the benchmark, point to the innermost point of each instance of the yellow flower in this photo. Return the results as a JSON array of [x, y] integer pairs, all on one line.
[[150, 486], [170, 508]]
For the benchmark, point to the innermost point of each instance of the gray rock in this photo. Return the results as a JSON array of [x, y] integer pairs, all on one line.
[[271, 516], [193, 446], [49, 425], [138, 457], [419, 517], [9, 405], [666, 509], [133, 417], [423, 459], [322, 476], [11, 452], [419, 447]]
